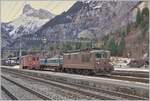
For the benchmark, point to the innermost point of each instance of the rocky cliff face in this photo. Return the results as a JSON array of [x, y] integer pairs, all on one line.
[[89, 19], [97, 18], [41, 13], [27, 23], [6, 39]]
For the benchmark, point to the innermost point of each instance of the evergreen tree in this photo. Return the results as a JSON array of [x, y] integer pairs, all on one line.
[[113, 47], [121, 46], [145, 21], [68, 46], [51, 48], [122, 34], [88, 45], [145, 12], [138, 16], [128, 28], [78, 45]]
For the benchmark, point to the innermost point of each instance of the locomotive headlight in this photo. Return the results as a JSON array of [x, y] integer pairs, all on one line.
[[97, 62]]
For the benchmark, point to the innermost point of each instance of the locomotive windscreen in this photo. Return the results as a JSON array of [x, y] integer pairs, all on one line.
[[100, 55]]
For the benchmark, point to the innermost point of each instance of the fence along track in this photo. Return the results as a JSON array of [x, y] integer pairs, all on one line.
[[55, 83], [44, 97]]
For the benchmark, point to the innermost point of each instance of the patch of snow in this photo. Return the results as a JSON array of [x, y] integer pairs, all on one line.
[[97, 7], [133, 69], [17, 66], [28, 23], [85, 1], [119, 61]]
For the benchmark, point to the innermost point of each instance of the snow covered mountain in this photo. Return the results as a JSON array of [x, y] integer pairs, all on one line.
[[95, 18], [86, 18], [28, 22]]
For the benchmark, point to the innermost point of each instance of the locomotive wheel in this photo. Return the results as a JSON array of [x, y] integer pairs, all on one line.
[[93, 72], [76, 71], [41, 67], [79, 71], [70, 71], [24, 67], [56, 69], [86, 72]]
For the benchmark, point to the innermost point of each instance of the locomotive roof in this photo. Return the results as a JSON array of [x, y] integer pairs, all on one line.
[[29, 55], [91, 50], [55, 57]]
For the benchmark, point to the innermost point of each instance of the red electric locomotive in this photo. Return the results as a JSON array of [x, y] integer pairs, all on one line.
[[30, 62]]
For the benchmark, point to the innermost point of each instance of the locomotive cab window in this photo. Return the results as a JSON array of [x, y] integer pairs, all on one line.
[[98, 55], [105, 55], [33, 59]]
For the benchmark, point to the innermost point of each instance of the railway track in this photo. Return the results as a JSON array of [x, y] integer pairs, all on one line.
[[130, 78], [8, 93], [89, 91], [66, 94], [131, 73], [135, 77], [35, 94], [142, 77], [70, 88]]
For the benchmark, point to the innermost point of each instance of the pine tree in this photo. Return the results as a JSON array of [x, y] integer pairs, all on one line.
[[138, 16], [128, 28], [145, 12], [145, 21], [113, 47], [121, 46]]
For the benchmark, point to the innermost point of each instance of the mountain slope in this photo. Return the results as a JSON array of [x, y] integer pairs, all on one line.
[[97, 17], [88, 19], [27, 23]]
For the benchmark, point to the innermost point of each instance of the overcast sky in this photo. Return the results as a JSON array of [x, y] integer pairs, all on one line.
[[12, 9]]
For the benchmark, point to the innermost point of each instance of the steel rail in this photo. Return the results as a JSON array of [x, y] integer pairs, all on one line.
[[38, 94], [13, 97], [68, 86], [133, 74], [117, 94], [130, 78]]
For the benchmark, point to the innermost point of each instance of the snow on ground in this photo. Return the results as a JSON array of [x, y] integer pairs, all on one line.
[[16, 66], [133, 69], [120, 62]]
